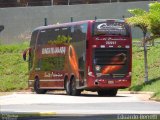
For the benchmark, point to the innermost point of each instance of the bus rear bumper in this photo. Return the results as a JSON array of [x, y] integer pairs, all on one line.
[[108, 84]]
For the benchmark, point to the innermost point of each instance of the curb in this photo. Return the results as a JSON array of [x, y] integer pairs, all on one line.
[[154, 99], [141, 92], [151, 95]]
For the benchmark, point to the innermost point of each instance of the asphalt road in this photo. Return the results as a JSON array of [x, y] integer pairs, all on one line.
[[88, 105]]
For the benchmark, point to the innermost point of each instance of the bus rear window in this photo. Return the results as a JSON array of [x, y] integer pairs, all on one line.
[[110, 29]]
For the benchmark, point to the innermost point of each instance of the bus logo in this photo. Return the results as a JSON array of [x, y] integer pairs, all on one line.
[[54, 50]]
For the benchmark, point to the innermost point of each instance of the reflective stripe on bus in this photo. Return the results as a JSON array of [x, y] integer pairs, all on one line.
[[50, 80], [51, 87]]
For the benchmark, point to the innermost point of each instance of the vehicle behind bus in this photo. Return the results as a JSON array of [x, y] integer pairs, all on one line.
[[93, 55]]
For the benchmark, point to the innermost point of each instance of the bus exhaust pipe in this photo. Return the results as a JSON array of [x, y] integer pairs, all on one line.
[[96, 82]]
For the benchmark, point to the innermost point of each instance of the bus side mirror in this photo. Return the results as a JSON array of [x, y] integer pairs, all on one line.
[[24, 55]]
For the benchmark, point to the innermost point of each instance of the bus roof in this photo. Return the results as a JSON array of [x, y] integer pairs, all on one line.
[[60, 25], [74, 23]]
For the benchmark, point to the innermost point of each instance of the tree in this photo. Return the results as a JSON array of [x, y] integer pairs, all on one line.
[[148, 22], [154, 18]]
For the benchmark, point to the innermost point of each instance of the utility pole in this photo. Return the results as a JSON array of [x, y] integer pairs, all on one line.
[[45, 22], [95, 17], [71, 19]]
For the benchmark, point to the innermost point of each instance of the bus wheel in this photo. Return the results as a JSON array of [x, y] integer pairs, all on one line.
[[101, 92], [68, 87], [110, 92], [74, 90], [37, 89]]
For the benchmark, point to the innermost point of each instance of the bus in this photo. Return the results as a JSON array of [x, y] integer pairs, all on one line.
[[91, 55]]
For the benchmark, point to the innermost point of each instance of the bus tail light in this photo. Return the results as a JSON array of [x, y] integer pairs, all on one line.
[[94, 46]]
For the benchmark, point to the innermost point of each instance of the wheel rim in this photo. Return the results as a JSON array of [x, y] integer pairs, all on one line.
[[73, 86], [37, 85], [67, 87]]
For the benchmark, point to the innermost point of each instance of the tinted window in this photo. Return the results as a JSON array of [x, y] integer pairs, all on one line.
[[110, 28], [54, 36], [48, 35], [33, 38], [79, 32], [51, 63]]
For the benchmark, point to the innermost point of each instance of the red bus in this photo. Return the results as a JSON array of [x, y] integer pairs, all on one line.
[[92, 55]]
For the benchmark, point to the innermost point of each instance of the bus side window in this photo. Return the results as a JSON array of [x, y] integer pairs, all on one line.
[[33, 38], [77, 34], [48, 36], [53, 34], [65, 33], [84, 30], [72, 32]]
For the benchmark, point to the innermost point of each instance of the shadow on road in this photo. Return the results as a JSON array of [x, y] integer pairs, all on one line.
[[85, 95]]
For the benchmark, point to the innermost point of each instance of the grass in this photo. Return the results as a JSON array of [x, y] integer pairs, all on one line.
[[13, 70], [153, 70]]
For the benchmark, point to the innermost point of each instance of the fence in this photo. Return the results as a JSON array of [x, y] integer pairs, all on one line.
[[22, 3], [19, 22]]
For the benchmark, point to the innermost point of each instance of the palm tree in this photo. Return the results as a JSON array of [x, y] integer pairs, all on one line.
[[148, 22]]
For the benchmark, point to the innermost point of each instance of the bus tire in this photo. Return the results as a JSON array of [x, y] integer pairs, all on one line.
[[110, 92], [67, 87], [74, 90], [37, 89], [101, 92]]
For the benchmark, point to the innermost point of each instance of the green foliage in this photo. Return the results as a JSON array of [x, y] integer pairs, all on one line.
[[154, 70], [13, 70], [53, 63], [137, 12], [61, 39], [154, 7], [147, 21], [154, 16], [139, 19], [13, 48]]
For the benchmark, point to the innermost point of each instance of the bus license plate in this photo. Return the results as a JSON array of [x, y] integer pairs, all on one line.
[[111, 82]]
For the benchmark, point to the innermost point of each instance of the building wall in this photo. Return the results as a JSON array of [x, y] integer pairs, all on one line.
[[19, 22]]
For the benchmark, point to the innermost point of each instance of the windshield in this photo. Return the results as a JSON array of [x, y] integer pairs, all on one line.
[[110, 28]]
